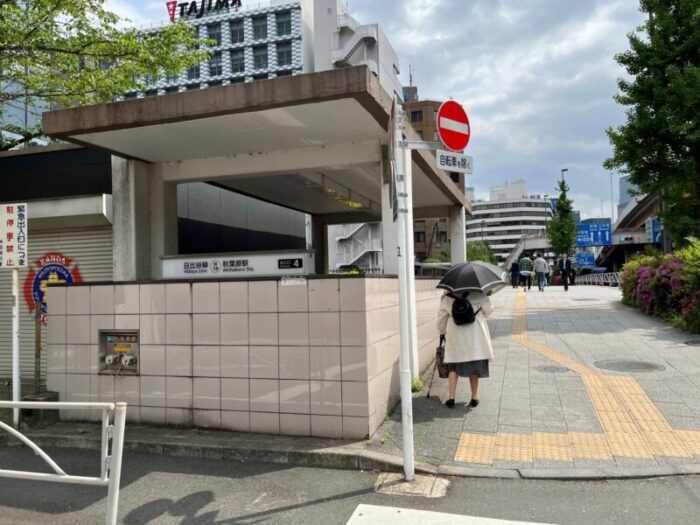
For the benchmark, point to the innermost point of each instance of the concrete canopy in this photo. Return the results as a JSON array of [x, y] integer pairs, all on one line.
[[310, 142]]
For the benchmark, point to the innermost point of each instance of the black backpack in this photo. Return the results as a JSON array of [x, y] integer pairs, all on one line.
[[463, 311]]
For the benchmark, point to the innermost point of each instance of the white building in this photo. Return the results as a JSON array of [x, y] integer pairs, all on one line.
[[258, 41], [507, 216]]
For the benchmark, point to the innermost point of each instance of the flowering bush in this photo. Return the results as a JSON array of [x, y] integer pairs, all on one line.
[[668, 286]]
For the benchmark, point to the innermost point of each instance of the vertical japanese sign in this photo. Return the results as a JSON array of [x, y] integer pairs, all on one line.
[[13, 236]]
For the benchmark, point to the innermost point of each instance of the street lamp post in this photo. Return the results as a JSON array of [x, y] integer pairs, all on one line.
[[564, 170]]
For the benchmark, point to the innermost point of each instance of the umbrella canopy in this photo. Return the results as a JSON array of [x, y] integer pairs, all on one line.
[[474, 276]]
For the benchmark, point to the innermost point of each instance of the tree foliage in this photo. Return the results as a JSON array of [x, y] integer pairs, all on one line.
[[561, 231], [659, 144], [58, 53], [480, 251]]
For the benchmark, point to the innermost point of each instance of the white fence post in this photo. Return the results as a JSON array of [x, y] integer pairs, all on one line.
[[115, 463]]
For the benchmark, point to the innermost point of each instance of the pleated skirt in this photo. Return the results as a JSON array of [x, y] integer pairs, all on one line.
[[470, 368]]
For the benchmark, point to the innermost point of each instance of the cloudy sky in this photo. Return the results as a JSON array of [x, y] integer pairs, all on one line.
[[537, 78]]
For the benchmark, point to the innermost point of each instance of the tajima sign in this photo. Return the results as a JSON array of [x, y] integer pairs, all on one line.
[[453, 126], [189, 9]]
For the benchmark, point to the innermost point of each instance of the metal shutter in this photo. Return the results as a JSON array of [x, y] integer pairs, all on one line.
[[89, 248]]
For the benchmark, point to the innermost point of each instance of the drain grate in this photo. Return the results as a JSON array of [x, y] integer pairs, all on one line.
[[552, 369], [616, 365], [693, 342]]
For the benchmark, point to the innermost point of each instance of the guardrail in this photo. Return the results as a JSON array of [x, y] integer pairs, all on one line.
[[111, 457], [600, 279]]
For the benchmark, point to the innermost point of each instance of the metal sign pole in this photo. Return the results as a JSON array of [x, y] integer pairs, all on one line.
[[16, 384], [404, 298]]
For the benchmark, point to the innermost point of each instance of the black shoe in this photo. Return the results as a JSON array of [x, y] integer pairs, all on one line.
[[450, 403], [473, 403]]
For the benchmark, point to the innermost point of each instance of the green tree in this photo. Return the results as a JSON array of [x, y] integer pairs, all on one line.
[[58, 53], [480, 251], [659, 144], [561, 230]]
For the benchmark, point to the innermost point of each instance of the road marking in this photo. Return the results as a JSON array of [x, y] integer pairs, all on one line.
[[374, 514], [632, 424]]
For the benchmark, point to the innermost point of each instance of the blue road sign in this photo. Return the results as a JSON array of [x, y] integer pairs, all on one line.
[[585, 259], [656, 230], [595, 234]]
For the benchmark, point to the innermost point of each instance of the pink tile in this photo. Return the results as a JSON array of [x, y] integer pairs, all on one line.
[[126, 299], [326, 398], [56, 359], [57, 383], [294, 329], [102, 299], [56, 330], [233, 297], [126, 389], [324, 329], [152, 329], [264, 423], [264, 361], [78, 359], [152, 360], [293, 295], [97, 323], [205, 329], [354, 363], [178, 392], [324, 295], [55, 298], [327, 426], [207, 393], [355, 427], [152, 391], [236, 421], [78, 329], [126, 322], [353, 295], [262, 296], [355, 399], [153, 415], [294, 362], [294, 396], [105, 389], [234, 329], [178, 298], [325, 363], [206, 361], [235, 394], [234, 361], [353, 329], [295, 425], [207, 418], [205, 298], [178, 361], [152, 299], [263, 329], [181, 417], [178, 329], [264, 395], [77, 300]]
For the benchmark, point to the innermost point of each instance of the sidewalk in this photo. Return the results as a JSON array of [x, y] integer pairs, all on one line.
[[548, 410]]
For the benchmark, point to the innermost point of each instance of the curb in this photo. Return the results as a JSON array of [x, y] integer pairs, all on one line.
[[347, 457]]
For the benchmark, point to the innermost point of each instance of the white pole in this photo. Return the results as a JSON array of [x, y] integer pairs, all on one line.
[[115, 468], [404, 295], [410, 267], [16, 380]]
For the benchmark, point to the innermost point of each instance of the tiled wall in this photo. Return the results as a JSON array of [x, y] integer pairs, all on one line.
[[298, 357]]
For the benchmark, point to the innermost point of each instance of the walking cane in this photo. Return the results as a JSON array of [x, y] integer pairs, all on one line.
[[430, 386]]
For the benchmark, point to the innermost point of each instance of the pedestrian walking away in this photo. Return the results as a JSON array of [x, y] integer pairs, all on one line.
[[541, 271], [462, 326], [514, 274], [566, 270], [526, 268]]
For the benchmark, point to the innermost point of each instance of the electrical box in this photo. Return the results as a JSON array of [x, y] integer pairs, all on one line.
[[119, 352]]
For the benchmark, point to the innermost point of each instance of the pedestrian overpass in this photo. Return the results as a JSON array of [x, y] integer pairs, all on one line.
[[527, 243]]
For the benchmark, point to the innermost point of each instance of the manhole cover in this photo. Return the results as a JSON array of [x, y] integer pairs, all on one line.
[[552, 369], [694, 342], [629, 366]]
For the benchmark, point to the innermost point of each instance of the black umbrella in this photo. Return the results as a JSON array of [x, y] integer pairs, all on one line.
[[474, 276]]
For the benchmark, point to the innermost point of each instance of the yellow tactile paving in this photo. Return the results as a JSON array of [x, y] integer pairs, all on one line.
[[632, 424]]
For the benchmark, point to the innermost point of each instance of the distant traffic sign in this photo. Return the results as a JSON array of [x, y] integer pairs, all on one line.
[[595, 234], [453, 126]]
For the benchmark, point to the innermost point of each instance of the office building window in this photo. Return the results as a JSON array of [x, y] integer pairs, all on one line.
[[286, 73], [416, 116], [260, 57], [442, 237], [284, 23], [237, 80], [193, 73], [216, 67], [215, 83], [191, 87], [419, 237], [151, 93], [237, 61], [263, 76], [237, 32], [130, 96], [284, 54], [173, 89], [172, 78], [214, 33], [259, 27]]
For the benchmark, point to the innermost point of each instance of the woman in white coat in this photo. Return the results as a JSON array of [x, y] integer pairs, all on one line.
[[467, 346]]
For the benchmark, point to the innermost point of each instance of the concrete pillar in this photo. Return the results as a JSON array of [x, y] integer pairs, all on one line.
[[319, 240], [131, 211], [163, 221], [458, 234]]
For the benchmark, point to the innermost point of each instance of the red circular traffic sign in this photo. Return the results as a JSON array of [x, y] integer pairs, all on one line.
[[453, 126]]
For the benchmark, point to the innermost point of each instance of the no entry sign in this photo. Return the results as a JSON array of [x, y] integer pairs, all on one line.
[[453, 126]]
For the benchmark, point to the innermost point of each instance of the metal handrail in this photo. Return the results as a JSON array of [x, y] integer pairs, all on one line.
[[600, 279], [110, 464]]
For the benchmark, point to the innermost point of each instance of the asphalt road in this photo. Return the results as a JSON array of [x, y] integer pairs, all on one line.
[[162, 490]]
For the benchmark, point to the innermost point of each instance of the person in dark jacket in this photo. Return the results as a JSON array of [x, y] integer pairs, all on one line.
[[514, 274], [566, 270]]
